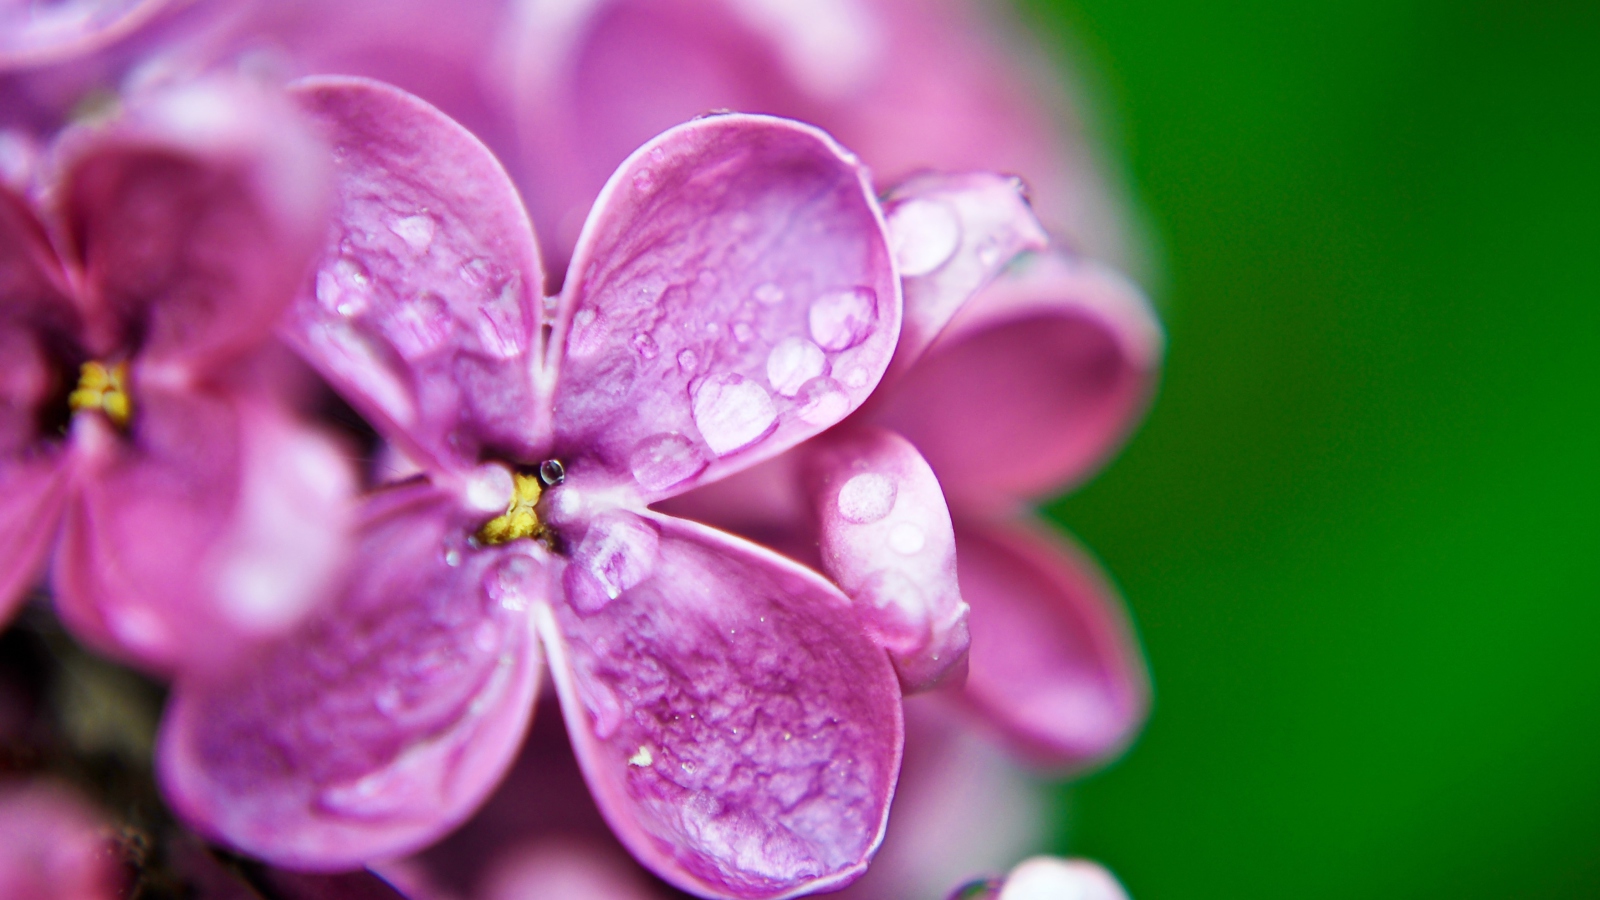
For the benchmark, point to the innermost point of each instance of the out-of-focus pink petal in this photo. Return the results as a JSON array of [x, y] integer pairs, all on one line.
[[739, 731], [55, 847], [1033, 385], [385, 721], [567, 868], [32, 282], [424, 310], [731, 296], [34, 33], [31, 495], [1054, 665], [887, 541], [1049, 878], [219, 524], [951, 234], [193, 218]]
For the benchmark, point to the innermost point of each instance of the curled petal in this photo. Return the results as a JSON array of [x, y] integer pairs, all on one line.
[[386, 720], [1054, 664], [1034, 384], [424, 310], [33, 34], [886, 539], [220, 524], [738, 730], [731, 296], [193, 219], [951, 235]]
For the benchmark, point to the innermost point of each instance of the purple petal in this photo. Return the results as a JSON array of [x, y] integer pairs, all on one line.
[[887, 541], [33, 34], [193, 219], [32, 281], [951, 235], [731, 296], [31, 495], [1034, 384], [424, 310], [386, 720], [1054, 663], [219, 524], [738, 730], [55, 847]]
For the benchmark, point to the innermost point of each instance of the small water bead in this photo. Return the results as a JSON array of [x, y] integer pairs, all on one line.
[[687, 361], [923, 235], [644, 181], [732, 412], [841, 319], [822, 401], [452, 557], [663, 460], [645, 345], [792, 363], [552, 472], [417, 231], [768, 294], [867, 498], [906, 539]]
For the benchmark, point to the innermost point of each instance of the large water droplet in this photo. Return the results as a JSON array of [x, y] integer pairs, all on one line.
[[732, 412], [662, 460], [617, 552], [822, 402], [923, 234], [867, 498], [906, 538], [513, 583], [792, 363], [417, 231], [841, 319]]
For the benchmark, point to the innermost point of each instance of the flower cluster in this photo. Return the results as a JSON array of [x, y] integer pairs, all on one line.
[[371, 373]]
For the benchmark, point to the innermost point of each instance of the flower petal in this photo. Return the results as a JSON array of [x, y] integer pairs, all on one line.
[[33, 34], [887, 541], [738, 730], [1054, 663], [56, 846], [1034, 384], [386, 720], [731, 296], [194, 218], [31, 495], [424, 311], [31, 277], [951, 235], [219, 524], [1049, 878]]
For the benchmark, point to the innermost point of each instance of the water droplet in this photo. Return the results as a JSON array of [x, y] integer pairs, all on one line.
[[452, 557], [792, 363], [662, 460], [867, 498], [586, 336], [617, 552], [906, 538], [687, 361], [742, 332], [732, 412], [645, 345], [657, 154], [420, 326], [417, 231], [841, 319], [923, 234], [644, 181], [343, 287], [822, 401], [511, 583], [552, 472], [768, 294]]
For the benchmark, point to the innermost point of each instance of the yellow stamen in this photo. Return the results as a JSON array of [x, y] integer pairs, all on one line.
[[521, 518], [104, 388]]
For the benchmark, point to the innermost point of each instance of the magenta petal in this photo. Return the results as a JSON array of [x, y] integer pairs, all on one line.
[[425, 307], [218, 525], [738, 730], [194, 218], [32, 282], [56, 847], [732, 295], [33, 34], [1037, 381], [886, 539], [951, 235], [1054, 663], [385, 721], [31, 495]]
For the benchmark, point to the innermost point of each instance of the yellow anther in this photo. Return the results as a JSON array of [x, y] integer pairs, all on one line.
[[521, 518], [104, 388]]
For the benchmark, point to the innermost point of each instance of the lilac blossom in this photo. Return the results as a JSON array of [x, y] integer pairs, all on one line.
[[739, 731], [55, 847], [187, 509]]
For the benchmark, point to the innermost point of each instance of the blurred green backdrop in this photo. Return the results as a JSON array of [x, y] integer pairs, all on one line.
[[1359, 531]]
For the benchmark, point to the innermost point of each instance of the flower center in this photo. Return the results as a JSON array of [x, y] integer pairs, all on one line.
[[521, 518], [104, 388]]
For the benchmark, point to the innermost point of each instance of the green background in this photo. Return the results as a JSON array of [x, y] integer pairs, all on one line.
[[1359, 531]]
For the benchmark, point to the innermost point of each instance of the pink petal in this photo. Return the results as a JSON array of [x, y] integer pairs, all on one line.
[[31, 495], [1049, 878], [731, 296], [33, 34], [1034, 384], [32, 280], [55, 848], [386, 720], [951, 235], [424, 310], [738, 730], [1054, 663], [194, 218], [887, 541], [568, 868], [219, 524]]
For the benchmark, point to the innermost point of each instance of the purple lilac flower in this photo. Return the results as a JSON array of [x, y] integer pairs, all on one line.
[[187, 509], [55, 847], [738, 729]]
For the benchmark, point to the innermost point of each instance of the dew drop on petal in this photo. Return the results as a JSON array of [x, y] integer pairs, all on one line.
[[687, 361], [841, 319], [923, 235], [867, 498], [644, 181], [417, 231], [792, 363], [617, 552], [822, 402], [906, 538], [768, 294], [662, 460], [732, 412], [645, 345]]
